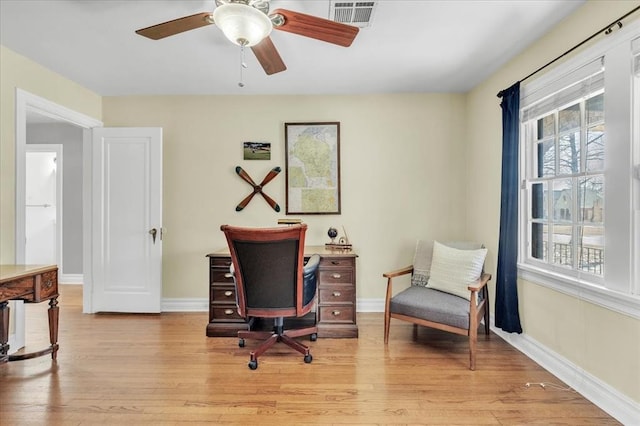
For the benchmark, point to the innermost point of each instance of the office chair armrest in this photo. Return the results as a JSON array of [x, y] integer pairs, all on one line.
[[398, 272], [481, 282]]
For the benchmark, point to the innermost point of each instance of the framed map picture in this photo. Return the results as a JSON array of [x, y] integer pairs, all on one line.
[[312, 167]]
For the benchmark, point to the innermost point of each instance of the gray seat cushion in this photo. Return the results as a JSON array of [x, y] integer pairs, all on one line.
[[432, 305]]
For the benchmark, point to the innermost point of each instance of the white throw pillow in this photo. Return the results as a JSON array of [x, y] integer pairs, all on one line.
[[452, 270]]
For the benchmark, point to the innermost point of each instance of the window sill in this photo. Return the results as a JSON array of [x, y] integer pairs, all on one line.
[[626, 304]]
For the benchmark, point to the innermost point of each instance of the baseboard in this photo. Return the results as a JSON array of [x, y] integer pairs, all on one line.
[[71, 278], [370, 305], [202, 305], [616, 404], [184, 305]]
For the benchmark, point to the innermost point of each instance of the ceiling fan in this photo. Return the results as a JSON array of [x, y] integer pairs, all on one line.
[[249, 23]]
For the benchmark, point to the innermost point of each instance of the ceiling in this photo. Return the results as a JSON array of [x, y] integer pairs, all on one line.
[[411, 46]]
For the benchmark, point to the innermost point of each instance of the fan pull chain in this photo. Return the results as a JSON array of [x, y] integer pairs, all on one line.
[[243, 65]]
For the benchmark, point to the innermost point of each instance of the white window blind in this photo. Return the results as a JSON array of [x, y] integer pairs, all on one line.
[[564, 90]]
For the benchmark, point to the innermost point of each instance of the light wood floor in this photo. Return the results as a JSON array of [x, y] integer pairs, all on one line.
[[162, 369]]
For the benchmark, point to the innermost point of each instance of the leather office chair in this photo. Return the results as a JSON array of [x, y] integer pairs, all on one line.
[[272, 282], [448, 291]]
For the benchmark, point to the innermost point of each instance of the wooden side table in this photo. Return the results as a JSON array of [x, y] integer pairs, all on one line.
[[32, 284]]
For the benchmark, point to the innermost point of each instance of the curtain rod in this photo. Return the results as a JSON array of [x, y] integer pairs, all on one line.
[[606, 30]]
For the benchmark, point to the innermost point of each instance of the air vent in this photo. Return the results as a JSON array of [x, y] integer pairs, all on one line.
[[357, 13]]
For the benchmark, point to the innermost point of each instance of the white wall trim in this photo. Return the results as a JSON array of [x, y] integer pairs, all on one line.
[[202, 305], [370, 305], [627, 304], [71, 279], [616, 404], [184, 305]]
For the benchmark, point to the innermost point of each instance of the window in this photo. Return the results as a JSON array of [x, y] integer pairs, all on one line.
[[579, 203]]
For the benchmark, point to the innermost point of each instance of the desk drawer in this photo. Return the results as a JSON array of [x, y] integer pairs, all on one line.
[[336, 294], [219, 276], [336, 276], [225, 313], [220, 262], [223, 294], [337, 314], [19, 289], [48, 287], [332, 262]]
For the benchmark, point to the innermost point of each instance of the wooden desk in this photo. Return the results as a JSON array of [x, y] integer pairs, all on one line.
[[335, 310], [32, 284]]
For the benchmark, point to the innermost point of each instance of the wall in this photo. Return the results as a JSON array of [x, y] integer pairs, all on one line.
[[70, 137], [17, 71], [402, 166], [602, 342]]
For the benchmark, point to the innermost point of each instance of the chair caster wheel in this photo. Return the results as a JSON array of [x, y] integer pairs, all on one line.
[[253, 364], [241, 343], [308, 358], [314, 337]]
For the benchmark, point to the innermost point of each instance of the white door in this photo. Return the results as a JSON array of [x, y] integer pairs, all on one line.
[[127, 220]]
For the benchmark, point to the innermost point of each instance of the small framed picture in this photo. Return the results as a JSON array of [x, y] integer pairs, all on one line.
[[256, 150]]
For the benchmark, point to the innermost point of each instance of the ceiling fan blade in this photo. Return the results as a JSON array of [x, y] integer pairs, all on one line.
[[268, 56], [177, 26], [315, 27], [269, 177]]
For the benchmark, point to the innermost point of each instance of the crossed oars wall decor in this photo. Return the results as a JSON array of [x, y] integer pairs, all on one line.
[[258, 188]]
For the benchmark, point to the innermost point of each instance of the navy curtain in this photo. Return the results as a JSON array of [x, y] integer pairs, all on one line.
[[507, 316]]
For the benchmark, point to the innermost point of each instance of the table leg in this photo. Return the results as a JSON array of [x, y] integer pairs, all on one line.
[[53, 326], [4, 331]]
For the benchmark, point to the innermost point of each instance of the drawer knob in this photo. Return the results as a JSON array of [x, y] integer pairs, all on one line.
[[337, 294], [228, 311], [48, 284], [335, 313], [336, 275], [228, 275], [228, 293]]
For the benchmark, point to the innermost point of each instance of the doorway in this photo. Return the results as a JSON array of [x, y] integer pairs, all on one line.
[[28, 104], [43, 208]]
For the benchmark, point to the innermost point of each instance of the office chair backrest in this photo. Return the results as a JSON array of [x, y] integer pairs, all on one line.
[[268, 264]]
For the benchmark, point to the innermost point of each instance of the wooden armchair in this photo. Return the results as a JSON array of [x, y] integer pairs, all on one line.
[[445, 292]]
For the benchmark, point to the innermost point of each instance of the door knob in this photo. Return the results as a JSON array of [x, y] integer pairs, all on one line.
[[153, 232]]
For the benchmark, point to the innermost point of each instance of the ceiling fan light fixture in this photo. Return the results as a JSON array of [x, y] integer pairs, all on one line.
[[242, 24]]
